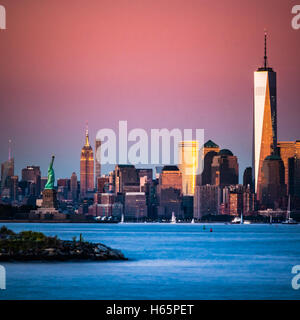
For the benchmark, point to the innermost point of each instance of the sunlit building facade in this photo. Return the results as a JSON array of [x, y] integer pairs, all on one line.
[[170, 177], [86, 167], [288, 150], [265, 119], [188, 165]]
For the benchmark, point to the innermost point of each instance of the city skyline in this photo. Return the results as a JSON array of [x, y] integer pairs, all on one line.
[[150, 151], [178, 75]]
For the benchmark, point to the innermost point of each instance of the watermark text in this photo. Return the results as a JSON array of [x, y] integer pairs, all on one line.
[[2, 278], [161, 146], [296, 278], [296, 18], [2, 18]]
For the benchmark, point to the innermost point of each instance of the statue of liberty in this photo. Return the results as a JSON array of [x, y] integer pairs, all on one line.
[[51, 177]]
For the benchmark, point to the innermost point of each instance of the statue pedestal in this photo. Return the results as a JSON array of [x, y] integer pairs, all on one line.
[[48, 211], [49, 199]]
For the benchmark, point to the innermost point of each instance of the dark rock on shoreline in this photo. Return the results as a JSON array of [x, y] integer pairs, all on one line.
[[30, 246]]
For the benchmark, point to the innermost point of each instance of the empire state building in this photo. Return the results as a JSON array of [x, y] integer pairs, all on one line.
[[265, 119], [86, 167]]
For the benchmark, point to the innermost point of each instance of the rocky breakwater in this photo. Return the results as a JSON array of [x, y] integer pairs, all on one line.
[[29, 246]]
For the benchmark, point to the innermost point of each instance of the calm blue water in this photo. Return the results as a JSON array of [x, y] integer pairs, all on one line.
[[180, 261]]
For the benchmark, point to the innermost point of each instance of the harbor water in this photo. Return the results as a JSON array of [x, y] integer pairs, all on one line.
[[166, 261]]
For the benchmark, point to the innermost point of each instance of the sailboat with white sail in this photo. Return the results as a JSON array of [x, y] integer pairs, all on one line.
[[173, 220], [289, 220], [240, 220]]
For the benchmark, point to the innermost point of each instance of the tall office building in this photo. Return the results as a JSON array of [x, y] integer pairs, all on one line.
[[63, 189], [103, 184], [265, 119], [247, 177], [170, 177], [97, 161], [86, 167], [32, 175], [111, 181], [145, 173], [135, 206], [273, 188], [126, 178], [294, 177], [74, 186], [207, 200], [288, 150], [248, 201], [237, 199], [169, 193], [210, 150], [233, 199], [188, 165], [224, 169], [14, 186], [7, 169]]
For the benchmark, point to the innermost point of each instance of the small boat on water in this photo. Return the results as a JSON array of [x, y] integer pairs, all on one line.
[[240, 220], [289, 220], [105, 220], [193, 221], [236, 220]]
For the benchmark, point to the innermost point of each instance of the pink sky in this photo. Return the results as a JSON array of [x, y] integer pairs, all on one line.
[[167, 63]]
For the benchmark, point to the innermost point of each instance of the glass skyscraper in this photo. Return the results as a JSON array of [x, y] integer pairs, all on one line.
[[188, 165], [265, 119]]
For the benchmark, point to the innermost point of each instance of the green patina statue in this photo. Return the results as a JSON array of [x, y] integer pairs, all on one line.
[[51, 176]]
